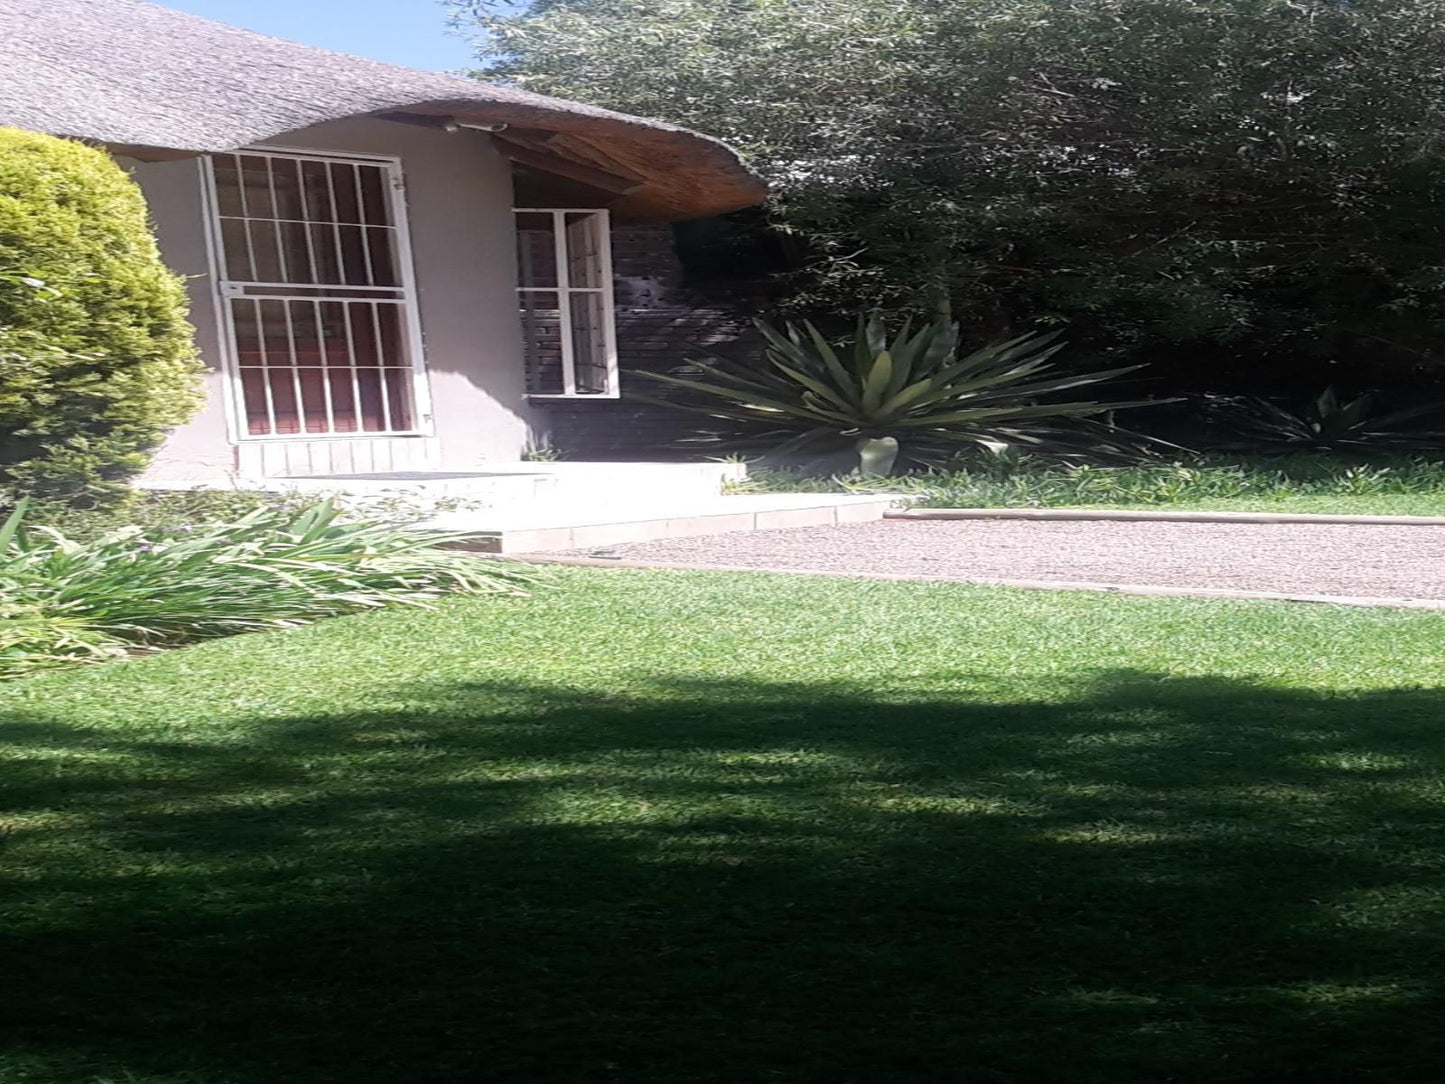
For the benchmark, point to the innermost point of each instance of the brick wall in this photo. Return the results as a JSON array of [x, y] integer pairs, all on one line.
[[660, 324]]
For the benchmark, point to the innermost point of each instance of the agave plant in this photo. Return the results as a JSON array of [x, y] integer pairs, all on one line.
[[1325, 422], [911, 396]]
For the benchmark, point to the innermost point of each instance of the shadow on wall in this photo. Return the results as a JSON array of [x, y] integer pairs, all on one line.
[[1143, 879]]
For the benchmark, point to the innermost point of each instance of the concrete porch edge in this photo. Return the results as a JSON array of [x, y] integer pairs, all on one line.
[[724, 515]]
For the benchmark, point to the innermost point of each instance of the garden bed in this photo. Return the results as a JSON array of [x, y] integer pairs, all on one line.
[[1383, 485]]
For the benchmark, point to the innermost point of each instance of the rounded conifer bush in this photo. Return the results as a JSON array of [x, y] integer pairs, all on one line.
[[97, 360]]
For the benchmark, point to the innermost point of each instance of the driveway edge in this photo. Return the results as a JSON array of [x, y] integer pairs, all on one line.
[[1029, 585], [1131, 514]]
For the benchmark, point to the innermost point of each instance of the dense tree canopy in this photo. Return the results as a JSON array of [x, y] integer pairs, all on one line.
[[1235, 190]]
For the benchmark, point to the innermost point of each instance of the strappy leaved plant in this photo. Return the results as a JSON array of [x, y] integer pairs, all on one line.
[[136, 589]]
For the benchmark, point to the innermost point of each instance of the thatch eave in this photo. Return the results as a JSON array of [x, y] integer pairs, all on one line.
[[157, 83]]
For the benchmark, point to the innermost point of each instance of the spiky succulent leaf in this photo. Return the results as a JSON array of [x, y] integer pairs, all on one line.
[[912, 386]]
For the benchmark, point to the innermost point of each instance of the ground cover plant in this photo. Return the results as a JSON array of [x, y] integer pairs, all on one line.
[[662, 827], [138, 588], [157, 510], [1300, 483]]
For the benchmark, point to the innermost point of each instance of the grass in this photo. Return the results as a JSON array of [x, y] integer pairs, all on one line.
[[1391, 486], [671, 827]]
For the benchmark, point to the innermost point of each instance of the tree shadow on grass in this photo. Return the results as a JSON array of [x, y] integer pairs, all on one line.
[[1137, 879]]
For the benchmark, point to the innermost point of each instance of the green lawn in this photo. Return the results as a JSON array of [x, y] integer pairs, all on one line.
[[676, 828]]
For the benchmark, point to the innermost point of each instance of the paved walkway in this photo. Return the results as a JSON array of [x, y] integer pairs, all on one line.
[[1314, 559]]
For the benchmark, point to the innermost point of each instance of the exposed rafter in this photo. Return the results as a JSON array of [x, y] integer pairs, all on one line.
[[525, 152]]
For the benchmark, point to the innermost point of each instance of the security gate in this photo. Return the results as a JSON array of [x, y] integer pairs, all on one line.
[[312, 259]]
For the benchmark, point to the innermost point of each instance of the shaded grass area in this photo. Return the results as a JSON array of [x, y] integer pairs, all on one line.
[[1300, 483], [662, 827]]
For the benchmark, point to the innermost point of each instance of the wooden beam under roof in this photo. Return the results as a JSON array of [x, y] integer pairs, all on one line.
[[550, 162]]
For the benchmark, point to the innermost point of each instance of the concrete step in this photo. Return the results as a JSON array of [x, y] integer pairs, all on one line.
[[550, 529], [504, 484]]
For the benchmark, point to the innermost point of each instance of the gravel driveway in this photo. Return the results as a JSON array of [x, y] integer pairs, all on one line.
[[1316, 559]]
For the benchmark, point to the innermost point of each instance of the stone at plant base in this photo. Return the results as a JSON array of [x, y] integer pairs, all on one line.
[[876, 455]]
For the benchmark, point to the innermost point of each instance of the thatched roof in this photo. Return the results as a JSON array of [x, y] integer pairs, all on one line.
[[152, 80]]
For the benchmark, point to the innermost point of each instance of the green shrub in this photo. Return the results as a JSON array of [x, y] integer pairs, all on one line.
[[96, 356], [63, 601]]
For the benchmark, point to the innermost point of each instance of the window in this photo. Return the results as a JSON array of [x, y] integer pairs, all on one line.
[[310, 253], [564, 275]]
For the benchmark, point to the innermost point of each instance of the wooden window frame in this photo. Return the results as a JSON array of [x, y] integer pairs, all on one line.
[[565, 291]]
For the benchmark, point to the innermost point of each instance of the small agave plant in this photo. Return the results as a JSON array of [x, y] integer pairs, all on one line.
[[910, 396], [1327, 423]]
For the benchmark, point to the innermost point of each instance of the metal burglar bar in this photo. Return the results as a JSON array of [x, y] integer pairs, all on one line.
[[564, 276], [310, 258]]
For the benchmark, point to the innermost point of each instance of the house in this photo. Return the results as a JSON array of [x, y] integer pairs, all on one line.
[[389, 269]]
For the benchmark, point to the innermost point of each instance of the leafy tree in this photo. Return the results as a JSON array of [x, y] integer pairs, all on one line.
[[1234, 190], [96, 357]]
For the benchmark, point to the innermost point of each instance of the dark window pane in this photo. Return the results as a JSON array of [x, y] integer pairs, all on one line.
[[316, 190], [228, 185], [589, 344], [379, 247], [354, 271], [286, 188], [374, 210], [256, 186], [398, 391], [247, 326], [265, 252], [343, 183], [237, 252], [296, 251], [536, 250]]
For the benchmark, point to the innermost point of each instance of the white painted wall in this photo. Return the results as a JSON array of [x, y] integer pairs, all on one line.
[[459, 200], [200, 448]]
